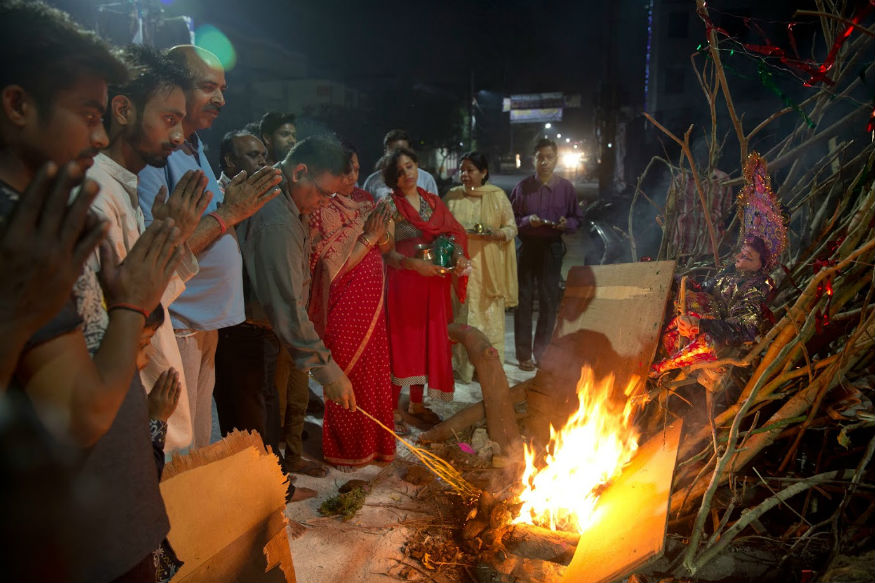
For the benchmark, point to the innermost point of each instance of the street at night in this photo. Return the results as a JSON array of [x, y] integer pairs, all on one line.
[[442, 292]]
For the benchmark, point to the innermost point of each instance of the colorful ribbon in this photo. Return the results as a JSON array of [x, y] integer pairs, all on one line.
[[815, 73]]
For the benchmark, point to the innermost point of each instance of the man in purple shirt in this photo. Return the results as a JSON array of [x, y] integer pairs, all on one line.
[[544, 206]]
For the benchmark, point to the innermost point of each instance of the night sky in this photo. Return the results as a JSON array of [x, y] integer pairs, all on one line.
[[441, 48], [511, 46]]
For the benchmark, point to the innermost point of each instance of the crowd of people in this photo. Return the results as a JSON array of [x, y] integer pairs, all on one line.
[[139, 288]]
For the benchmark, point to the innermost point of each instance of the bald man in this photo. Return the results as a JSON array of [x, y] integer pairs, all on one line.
[[213, 298]]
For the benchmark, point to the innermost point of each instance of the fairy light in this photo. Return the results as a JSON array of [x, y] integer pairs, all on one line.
[[647, 52]]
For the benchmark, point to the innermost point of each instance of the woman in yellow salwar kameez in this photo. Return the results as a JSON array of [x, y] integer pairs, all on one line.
[[485, 212]]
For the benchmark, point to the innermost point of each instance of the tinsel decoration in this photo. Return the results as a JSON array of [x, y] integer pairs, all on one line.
[[758, 209]]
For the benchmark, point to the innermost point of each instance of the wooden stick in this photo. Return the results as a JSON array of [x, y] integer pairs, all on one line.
[[469, 416], [439, 466], [632, 243], [799, 403], [534, 542], [497, 399], [724, 84], [855, 481], [854, 117], [685, 146], [754, 514], [682, 297], [841, 19]]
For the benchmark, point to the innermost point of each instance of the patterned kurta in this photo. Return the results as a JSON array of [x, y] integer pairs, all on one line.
[[739, 303], [492, 285]]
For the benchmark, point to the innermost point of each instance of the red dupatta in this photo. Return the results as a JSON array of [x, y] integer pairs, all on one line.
[[442, 222]]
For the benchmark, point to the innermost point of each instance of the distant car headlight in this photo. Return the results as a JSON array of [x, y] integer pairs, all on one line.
[[571, 160]]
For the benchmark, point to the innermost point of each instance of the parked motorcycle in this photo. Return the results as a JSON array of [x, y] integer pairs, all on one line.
[[607, 242]]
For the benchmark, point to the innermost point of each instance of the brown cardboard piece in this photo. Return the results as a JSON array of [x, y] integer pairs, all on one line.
[[226, 506], [609, 320], [633, 515]]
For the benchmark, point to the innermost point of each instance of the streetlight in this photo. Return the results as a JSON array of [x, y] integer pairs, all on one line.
[[558, 136], [567, 140], [548, 125]]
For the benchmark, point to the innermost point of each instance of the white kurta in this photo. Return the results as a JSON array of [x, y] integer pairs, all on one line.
[[117, 203]]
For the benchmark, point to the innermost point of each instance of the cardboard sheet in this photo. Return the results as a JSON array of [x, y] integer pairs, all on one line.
[[609, 320], [226, 506], [633, 515]]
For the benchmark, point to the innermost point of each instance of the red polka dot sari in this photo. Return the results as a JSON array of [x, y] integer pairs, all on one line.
[[347, 308]]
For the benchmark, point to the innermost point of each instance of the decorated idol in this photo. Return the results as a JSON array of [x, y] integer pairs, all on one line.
[[728, 309]]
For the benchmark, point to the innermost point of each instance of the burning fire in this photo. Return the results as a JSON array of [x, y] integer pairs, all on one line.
[[592, 448]]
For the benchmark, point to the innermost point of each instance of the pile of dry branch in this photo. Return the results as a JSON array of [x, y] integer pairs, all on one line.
[[785, 458]]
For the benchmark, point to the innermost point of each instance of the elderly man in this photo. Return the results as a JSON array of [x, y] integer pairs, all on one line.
[[213, 299], [240, 151], [245, 394], [279, 134], [375, 184], [276, 249]]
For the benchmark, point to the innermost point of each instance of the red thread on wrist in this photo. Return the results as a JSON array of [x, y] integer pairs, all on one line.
[[222, 224], [131, 308]]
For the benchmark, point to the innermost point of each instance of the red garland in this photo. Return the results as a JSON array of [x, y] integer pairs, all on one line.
[[816, 73], [833, 53]]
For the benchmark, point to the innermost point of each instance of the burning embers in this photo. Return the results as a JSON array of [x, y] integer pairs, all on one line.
[[587, 453]]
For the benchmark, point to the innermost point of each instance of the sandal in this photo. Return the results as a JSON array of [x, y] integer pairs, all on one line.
[[426, 415], [401, 428], [308, 467], [527, 365]]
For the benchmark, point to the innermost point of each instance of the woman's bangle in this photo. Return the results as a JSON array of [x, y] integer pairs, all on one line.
[[222, 224], [365, 241], [130, 308]]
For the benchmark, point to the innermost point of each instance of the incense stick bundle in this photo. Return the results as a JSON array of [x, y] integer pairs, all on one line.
[[437, 465]]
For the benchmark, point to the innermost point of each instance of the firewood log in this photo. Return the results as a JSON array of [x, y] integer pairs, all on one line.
[[498, 399], [534, 542]]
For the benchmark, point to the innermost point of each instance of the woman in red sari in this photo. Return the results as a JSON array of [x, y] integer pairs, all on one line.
[[346, 307], [419, 306]]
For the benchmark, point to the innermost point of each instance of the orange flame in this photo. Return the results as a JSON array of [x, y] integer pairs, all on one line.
[[592, 448]]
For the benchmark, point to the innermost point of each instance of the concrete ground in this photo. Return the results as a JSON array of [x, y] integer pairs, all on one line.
[[368, 547]]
